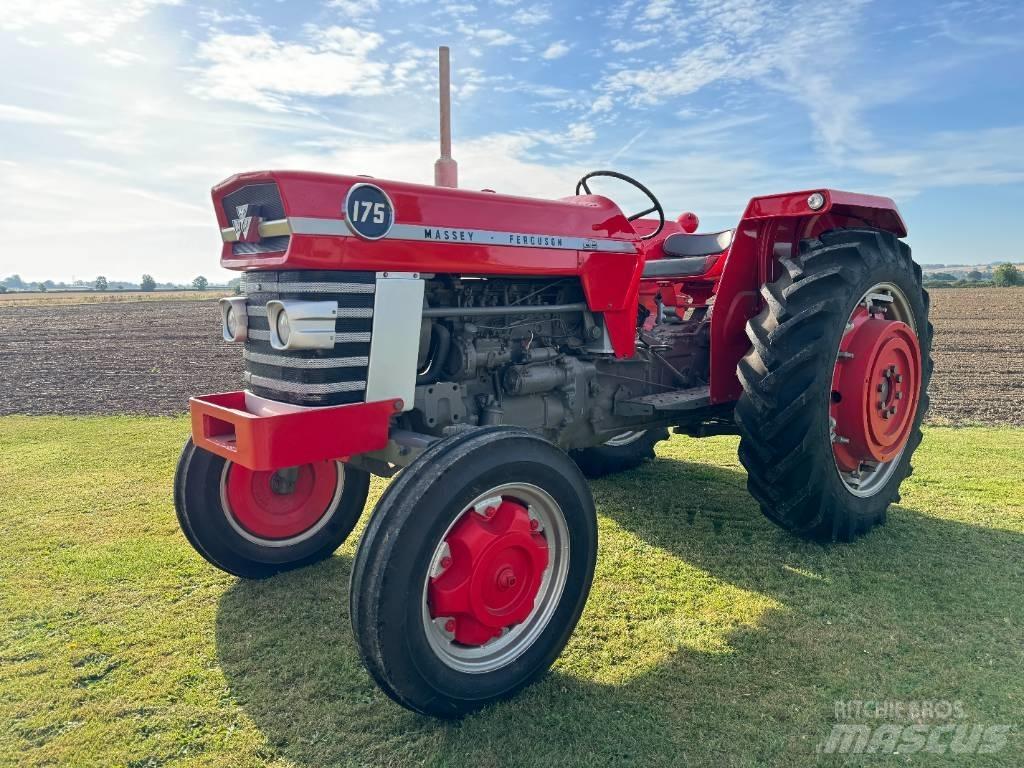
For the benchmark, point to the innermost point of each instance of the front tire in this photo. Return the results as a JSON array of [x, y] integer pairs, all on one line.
[[473, 571], [835, 384], [257, 524]]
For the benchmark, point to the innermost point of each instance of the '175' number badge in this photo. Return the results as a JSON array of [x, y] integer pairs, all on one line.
[[368, 211]]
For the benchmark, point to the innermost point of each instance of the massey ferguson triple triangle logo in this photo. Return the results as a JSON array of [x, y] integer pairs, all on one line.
[[247, 225]]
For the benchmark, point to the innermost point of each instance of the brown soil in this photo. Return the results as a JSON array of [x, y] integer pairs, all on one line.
[[149, 357], [124, 357], [979, 356]]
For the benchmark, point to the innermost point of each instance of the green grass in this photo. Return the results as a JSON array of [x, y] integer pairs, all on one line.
[[710, 638]]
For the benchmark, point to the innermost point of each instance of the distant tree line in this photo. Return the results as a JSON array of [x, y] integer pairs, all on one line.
[[1005, 275], [101, 283]]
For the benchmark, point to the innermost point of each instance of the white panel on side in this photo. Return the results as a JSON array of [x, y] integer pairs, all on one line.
[[394, 346]]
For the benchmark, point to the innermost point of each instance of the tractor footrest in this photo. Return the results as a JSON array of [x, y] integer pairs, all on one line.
[[262, 434], [678, 401]]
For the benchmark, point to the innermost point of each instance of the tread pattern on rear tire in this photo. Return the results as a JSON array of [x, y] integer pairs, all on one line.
[[782, 413]]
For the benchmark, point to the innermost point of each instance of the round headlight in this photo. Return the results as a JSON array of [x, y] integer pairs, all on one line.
[[231, 321], [284, 329]]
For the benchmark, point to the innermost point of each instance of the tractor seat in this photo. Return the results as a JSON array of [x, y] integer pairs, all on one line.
[[688, 255], [680, 245]]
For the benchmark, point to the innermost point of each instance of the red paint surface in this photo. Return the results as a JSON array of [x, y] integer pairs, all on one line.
[[771, 226], [875, 390], [222, 425], [269, 515], [493, 575]]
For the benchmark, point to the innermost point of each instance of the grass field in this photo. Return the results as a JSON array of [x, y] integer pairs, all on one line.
[[710, 639], [64, 298]]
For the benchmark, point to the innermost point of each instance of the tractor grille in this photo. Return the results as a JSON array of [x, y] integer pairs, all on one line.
[[310, 376], [268, 198]]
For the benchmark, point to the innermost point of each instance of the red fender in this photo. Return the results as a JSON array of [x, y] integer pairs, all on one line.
[[773, 226]]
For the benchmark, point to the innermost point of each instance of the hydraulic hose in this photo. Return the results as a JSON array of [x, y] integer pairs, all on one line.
[[440, 344]]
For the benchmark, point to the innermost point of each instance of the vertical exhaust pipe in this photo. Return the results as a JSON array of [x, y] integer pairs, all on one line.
[[446, 170]]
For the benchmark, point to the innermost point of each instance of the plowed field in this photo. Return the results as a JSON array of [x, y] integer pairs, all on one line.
[[149, 357]]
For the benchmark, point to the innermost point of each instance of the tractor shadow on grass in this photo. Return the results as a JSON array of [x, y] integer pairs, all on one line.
[[737, 641]]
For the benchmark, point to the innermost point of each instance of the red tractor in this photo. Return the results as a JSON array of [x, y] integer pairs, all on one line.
[[492, 351]]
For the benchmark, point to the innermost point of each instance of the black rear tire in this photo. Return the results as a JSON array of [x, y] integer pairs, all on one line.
[[783, 413], [399, 547], [618, 456], [198, 500]]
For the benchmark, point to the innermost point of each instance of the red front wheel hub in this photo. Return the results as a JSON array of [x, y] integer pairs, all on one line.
[[490, 573], [875, 390], [284, 504]]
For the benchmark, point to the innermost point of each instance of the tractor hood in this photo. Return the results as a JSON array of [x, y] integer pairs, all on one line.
[[301, 220]]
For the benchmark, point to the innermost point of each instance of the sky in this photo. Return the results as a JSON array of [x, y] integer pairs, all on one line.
[[117, 116]]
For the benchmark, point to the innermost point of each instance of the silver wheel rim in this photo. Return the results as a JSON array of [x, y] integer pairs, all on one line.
[[236, 526], [861, 483], [505, 649], [626, 438]]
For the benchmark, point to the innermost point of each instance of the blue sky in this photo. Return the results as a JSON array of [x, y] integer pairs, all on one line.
[[117, 117]]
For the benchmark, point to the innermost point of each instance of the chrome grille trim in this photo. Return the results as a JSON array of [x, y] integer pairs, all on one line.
[[355, 337], [305, 362], [360, 337], [300, 388], [270, 286], [334, 376], [260, 310]]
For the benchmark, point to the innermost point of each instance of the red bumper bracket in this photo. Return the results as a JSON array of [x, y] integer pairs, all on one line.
[[264, 435]]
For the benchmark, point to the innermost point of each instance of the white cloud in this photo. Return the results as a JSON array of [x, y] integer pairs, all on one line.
[[81, 21], [556, 50], [493, 36], [658, 9], [356, 8], [628, 46], [581, 133], [687, 74], [768, 45], [119, 57], [603, 103], [12, 113], [951, 159], [458, 9], [531, 16], [258, 69]]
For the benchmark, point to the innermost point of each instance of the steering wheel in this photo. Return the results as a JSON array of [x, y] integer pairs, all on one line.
[[655, 205]]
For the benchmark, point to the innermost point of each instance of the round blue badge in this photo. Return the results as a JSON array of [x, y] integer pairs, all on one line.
[[368, 211]]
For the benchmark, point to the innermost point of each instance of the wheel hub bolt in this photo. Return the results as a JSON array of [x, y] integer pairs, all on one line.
[[506, 579], [446, 562], [449, 626]]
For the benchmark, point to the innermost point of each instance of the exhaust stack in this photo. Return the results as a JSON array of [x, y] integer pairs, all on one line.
[[446, 170]]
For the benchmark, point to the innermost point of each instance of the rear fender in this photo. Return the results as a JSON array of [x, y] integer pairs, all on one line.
[[772, 227]]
